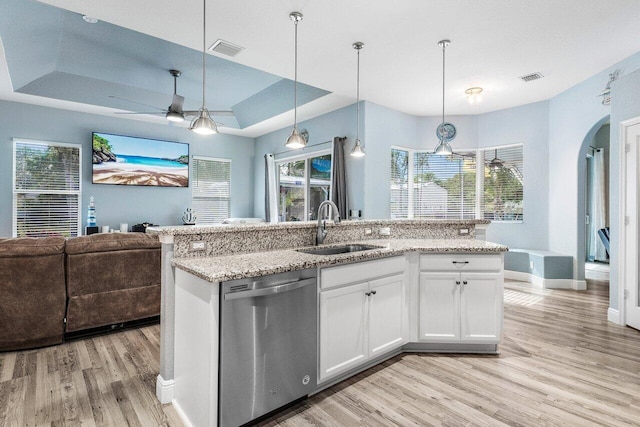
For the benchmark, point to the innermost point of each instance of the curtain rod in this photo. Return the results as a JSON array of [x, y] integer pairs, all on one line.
[[306, 146]]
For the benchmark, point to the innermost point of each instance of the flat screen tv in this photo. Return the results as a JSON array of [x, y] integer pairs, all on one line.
[[128, 160]]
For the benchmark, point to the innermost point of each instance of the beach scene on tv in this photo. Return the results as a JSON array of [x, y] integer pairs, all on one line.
[[127, 160]]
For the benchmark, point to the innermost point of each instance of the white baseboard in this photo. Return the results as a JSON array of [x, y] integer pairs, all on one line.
[[539, 282], [181, 414], [601, 276], [613, 315], [164, 389]]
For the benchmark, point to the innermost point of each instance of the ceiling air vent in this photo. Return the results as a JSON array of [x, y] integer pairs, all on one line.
[[225, 48], [531, 77]]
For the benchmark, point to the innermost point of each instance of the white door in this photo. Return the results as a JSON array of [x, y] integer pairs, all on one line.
[[631, 229], [343, 329], [481, 307], [440, 307], [386, 314]]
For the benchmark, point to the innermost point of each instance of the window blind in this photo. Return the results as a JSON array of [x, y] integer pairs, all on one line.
[[46, 193], [211, 189], [503, 184], [399, 183], [444, 187]]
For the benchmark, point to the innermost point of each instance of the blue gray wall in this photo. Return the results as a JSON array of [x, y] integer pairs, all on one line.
[[116, 204]]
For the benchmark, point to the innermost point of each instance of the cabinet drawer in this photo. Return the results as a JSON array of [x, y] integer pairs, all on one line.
[[360, 272], [460, 262]]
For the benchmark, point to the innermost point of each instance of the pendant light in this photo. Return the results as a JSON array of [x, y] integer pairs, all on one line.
[[358, 150], [443, 148], [496, 164], [295, 140], [202, 124]]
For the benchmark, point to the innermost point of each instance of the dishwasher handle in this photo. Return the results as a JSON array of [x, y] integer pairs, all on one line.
[[286, 287]]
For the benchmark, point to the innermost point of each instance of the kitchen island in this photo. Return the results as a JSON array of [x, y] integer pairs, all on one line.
[[405, 294]]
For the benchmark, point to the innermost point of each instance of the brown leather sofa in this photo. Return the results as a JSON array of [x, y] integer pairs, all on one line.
[[92, 281], [32, 292]]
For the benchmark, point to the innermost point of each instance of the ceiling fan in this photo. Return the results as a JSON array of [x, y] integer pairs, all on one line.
[[174, 112]]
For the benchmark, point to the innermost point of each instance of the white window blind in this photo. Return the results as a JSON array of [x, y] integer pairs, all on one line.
[[399, 183], [503, 184], [47, 188], [211, 189], [425, 185], [444, 187]]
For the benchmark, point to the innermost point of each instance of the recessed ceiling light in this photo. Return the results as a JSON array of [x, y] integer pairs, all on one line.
[[89, 19]]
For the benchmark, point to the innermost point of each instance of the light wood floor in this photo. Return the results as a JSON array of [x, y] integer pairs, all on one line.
[[561, 363]]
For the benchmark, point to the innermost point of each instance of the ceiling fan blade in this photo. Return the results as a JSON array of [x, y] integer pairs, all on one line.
[[136, 102], [176, 103], [152, 113]]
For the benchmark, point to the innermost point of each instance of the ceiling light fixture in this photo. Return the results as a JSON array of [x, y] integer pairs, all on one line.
[[89, 19], [202, 124], [474, 95], [496, 164], [295, 140], [358, 149], [443, 148]]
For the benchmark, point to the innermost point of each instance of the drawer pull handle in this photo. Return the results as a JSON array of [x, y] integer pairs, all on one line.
[[368, 294], [457, 282], [461, 262], [465, 282], [374, 292]]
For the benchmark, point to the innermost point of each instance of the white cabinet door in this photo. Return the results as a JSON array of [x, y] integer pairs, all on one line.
[[387, 325], [343, 329], [439, 307], [481, 307]]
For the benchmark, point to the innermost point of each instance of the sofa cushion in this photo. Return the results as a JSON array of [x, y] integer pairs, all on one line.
[[105, 242], [31, 246], [32, 292]]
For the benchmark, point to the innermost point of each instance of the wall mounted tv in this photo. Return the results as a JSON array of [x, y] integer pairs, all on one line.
[[128, 160]]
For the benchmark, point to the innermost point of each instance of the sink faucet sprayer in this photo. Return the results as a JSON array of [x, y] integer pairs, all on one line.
[[322, 232]]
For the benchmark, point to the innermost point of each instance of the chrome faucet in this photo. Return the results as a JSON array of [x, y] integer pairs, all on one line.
[[322, 231]]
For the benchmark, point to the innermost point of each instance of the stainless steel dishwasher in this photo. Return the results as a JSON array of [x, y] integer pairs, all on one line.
[[268, 344]]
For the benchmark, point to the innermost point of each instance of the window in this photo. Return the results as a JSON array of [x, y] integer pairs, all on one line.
[[303, 183], [424, 185], [46, 188], [211, 189]]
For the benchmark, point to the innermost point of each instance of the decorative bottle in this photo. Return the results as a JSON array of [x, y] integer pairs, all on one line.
[[91, 213]]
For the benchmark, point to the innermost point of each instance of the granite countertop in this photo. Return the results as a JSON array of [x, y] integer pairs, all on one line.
[[239, 266], [252, 226]]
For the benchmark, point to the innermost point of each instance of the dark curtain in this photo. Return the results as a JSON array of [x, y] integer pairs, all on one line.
[[339, 178]]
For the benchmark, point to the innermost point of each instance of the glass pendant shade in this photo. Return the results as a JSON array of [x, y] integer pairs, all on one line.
[[357, 150], [203, 124], [443, 149], [295, 140], [174, 116]]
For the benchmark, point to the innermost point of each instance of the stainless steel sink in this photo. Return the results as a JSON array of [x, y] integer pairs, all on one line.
[[334, 250]]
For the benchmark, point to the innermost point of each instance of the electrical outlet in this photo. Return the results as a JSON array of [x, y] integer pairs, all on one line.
[[531, 265], [197, 245], [385, 231], [463, 231], [367, 231]]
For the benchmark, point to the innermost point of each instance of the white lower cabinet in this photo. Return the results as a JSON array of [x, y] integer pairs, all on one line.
[[360, 321], [460, 307]]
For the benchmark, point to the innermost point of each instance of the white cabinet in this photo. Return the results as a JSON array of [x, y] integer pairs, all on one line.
[[458, 305], [362, 319]]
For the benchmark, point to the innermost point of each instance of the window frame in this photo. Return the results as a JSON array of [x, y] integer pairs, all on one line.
[[15, 191], [479, 154], [307, 177], [192, 182]]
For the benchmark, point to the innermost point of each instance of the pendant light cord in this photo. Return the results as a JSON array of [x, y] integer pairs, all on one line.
[[443, 48], [204, 48], [358, 98], [295, 76]]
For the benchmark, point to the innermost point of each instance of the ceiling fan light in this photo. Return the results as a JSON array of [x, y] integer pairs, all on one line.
[[357, 150], [174, 116], [203, 124], [443, 149], [295, 140]]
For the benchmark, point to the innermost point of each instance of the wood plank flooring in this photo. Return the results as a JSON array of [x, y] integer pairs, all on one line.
[[561, 364]]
